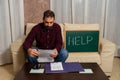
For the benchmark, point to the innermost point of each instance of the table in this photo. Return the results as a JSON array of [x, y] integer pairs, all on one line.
[[97, 74]]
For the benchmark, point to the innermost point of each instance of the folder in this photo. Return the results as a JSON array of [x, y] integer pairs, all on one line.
[[67, 67]]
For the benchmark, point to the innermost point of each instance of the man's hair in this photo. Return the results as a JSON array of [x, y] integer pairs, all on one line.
[[48, 13]]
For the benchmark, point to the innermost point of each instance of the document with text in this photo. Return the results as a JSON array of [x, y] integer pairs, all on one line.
[[56, 66]]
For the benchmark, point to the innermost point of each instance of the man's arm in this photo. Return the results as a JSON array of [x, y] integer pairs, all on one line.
[[28, 43], [29, 40], [58, 44]]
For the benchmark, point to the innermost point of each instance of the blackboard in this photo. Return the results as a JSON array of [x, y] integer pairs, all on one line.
[[82, 41]]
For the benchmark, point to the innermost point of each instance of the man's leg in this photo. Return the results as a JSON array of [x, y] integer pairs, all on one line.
[[62, 56]]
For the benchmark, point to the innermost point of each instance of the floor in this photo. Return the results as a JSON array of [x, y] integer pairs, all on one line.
[[6, 71], [116, 70]]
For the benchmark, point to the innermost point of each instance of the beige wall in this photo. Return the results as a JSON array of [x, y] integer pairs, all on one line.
[[33, 10]]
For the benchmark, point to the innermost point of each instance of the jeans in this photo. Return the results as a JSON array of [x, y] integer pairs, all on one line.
[[62, 56]]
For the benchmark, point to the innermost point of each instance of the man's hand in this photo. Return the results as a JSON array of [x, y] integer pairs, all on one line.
[[32, 52], [55, 53]]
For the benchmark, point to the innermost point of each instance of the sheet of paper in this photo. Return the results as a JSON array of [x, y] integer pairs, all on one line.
[[89, 71], [44, 55], [56, 66], [45, 52], [36, 71]]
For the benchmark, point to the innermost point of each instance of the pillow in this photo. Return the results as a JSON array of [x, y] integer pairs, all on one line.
[[29, 27]]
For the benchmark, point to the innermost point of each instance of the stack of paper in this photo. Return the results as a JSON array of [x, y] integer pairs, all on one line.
[[44, 55], [56, 66]]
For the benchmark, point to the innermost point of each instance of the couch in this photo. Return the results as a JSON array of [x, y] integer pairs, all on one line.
[[104, 56]]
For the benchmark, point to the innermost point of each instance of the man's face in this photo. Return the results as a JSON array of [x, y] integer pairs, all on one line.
[[48, 21]]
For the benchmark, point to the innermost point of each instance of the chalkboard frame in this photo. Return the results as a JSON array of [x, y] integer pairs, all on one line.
[[83, 27]]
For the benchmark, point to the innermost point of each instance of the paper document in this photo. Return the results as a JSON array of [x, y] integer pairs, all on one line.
[[56, 66], [44, 55], [36, 71], [87, 71]]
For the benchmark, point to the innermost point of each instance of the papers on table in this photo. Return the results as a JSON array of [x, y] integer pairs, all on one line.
[[59, 67], [44, 55], [87, 71], [36, 71], [56, 66]]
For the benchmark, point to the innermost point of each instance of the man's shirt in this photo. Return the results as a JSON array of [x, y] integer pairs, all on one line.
[[46, 38]]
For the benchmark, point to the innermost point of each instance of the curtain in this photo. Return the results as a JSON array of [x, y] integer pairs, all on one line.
[[11, 27], [79, 11], [112, 23], [106, 13]]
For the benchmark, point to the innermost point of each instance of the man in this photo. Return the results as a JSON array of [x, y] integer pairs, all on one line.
[[47, 36]]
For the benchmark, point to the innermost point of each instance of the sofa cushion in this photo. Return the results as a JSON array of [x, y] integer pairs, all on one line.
[[84, 57], [81, 26], [29, 27]]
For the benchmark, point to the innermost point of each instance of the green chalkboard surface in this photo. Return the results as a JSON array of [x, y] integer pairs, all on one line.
[[82, 41]]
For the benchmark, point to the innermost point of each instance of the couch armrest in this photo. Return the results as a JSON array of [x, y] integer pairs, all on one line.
[[15, 46], [18, 54], [107, 47], [107, 50]]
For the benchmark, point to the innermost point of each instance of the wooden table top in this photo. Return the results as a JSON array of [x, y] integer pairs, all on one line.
[[97, 74]]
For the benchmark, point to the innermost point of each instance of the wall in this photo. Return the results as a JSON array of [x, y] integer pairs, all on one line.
[[33, 10]]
